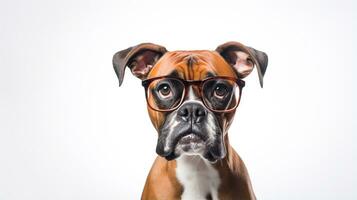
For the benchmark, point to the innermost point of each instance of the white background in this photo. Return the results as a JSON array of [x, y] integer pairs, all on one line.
[[67, 131]]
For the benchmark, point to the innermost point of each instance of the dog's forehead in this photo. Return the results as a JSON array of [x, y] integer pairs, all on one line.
[[191, 65]]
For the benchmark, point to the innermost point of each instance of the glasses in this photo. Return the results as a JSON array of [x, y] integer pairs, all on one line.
[[219, 94]]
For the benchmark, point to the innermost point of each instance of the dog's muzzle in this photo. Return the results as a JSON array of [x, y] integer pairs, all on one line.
[[192, 129]]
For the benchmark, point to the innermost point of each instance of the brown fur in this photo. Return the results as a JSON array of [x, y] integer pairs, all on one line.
[[162, 183]]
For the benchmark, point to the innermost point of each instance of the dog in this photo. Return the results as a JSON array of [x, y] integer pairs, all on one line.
[[191, 98]]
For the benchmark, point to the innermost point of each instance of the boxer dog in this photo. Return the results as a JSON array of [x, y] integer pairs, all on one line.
[[191, 98]]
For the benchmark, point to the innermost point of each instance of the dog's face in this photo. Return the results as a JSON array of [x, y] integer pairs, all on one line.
[[191, 95]]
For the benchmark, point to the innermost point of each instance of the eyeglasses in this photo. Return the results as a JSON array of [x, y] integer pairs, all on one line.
[[219, 94]]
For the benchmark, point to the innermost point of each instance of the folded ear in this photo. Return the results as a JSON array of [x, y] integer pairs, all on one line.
[[243, 59], [140, 59]]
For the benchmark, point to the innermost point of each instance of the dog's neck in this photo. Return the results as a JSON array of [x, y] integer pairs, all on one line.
[[201, 179]]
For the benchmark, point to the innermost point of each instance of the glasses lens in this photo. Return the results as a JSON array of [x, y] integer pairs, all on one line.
[[165, 93], [221, 94]]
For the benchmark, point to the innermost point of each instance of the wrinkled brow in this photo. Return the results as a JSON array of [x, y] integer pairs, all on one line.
[[175, 74]]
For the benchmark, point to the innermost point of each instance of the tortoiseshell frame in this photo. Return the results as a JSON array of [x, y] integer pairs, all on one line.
[[199, 83]]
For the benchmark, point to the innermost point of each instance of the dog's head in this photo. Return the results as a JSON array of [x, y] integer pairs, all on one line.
[[191, 95]]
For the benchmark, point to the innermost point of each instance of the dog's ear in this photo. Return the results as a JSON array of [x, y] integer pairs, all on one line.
[[243, 59], [140, 59]]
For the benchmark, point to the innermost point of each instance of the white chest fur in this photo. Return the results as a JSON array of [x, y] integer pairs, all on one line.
[[198, 177]]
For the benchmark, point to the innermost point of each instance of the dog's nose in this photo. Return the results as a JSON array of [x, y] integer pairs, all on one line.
[[194, 112]]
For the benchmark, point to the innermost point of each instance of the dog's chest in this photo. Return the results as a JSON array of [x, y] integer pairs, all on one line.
[[200, 180]]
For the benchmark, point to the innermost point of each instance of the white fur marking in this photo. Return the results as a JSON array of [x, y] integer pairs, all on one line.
[[191, 94], [172, 125], [198, 177], [211, 126]]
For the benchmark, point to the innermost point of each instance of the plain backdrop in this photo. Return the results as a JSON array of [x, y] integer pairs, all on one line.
[[67, 131]]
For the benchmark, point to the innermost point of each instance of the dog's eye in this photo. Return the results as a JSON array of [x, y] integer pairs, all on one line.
[[220, 91], [165, 90]]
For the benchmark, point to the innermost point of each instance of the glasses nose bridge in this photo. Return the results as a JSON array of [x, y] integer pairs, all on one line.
[[193, 82]]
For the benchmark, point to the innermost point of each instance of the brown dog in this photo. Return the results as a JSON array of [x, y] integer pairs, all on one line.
[[192, 97]]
